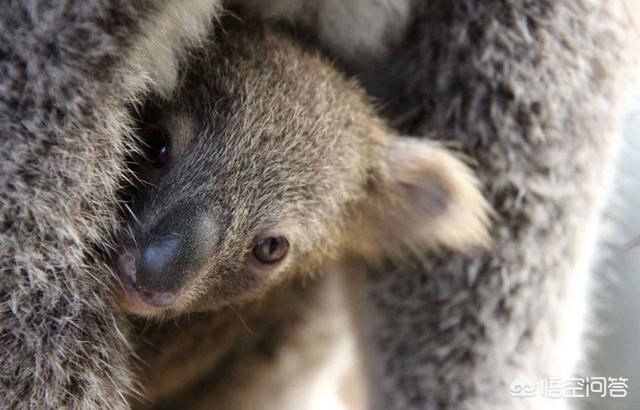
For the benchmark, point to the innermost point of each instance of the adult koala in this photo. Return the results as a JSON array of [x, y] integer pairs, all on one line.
[[528, 89]]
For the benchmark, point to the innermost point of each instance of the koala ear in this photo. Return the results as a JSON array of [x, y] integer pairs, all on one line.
[[424, 198]]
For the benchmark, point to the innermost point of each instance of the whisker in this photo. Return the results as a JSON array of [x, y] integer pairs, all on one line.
[[133, 215], [242, 320]]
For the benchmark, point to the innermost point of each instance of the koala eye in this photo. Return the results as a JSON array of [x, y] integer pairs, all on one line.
[[156, 144], [271, 249]]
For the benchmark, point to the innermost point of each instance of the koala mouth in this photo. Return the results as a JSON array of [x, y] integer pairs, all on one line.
[[130, 300]]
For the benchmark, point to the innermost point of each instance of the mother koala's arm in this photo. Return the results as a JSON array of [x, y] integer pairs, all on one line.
[[530, 91], [67, 71]]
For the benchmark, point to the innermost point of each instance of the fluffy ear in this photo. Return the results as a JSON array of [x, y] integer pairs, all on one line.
[[425, 197]]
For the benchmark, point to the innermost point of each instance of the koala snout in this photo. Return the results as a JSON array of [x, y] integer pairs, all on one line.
[[161, 256], [153, 270]]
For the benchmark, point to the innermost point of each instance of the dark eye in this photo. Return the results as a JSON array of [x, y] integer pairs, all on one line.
[[271, 249], [156, 145]]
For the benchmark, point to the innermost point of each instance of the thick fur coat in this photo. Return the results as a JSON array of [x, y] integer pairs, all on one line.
[[68, 69], [529, 90]]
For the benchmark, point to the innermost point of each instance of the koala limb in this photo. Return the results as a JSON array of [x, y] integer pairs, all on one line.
[[530, 92]]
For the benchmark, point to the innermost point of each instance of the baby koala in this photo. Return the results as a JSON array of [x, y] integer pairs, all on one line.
[[264, 164]]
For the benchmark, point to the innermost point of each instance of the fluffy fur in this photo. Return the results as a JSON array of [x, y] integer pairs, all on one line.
[[67, 71], [359, 33], [256, 149], [255, 146], [528, 89], [531, 92]]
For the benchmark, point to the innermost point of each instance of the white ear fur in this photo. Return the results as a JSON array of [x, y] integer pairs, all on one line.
[[437, 198], [424, 198]]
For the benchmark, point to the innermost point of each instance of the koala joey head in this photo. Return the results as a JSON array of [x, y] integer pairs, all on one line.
[[265, 163]]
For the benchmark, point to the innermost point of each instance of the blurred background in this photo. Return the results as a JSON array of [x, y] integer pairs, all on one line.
[[616, 321]]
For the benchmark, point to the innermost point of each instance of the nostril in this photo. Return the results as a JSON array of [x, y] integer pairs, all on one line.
[[159, 255], [126, 262], [148, 277]]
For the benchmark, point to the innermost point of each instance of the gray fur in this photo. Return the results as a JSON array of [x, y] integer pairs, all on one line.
[[255, 146], [524, 87], [359, 33], [531, 92], [67, 69]]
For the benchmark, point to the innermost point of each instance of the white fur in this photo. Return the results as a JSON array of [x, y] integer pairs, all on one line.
[[167, 36]]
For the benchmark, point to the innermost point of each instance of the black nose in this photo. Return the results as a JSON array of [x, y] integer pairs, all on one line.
[[154, 269], [156, 260]]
